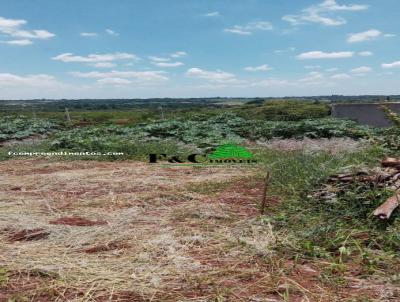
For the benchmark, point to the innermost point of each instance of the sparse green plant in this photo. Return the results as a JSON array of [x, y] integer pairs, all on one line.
[[391, 115], [3, 276]]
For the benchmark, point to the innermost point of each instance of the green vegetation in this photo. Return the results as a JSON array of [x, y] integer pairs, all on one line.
[[3, 276], [21, 127], [282, 110], [340, 231], [202, 131], [389, 138], [88, 117], [394, 117], [180, 135], [53, 106], [296, 173]]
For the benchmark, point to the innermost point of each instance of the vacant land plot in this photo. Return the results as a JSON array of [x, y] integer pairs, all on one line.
[[131, 231]]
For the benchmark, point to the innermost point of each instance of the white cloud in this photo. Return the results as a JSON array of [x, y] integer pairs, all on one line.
[[312, 77], [137, 75], [391, 65], [22, 42], [94, 58], [323, 13], [11, 23], [263, 67], [212, 14], [103, 65], [365, 53], [215, 76], [36, 80], [11, 28], [362, 69], [332, 5], [313, 18], [88, 34], [389, 35], [340, 76], [272, 82], [259, 25], [166, 61], [324, 55], [385, 73], [159, 59], [280, 51], [32, 34], [111, 32], [312, 67], [237, 30], [114, 81], [168, 64], [332, 69], [364, 36], [178, 54], [249, 28]]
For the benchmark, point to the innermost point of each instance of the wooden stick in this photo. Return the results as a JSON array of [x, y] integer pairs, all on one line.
[[390, 162], [264, 197], [67, 116], [385, 210]]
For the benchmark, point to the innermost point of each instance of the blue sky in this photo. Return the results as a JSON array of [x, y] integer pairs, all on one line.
[[198, 48]]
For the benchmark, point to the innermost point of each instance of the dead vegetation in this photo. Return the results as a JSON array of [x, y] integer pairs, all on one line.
[[28, 235], [101, 231], [387, 176], [77, 221], [334, 145]]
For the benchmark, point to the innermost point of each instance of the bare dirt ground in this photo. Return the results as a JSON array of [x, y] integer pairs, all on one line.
[[130, 231]]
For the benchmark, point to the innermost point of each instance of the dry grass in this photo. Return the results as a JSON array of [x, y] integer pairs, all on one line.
[[166, 234], [308, 145], [141, 205]]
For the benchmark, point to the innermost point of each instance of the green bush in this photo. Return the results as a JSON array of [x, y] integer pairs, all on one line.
[[281, 110], [321, 226], [22, 127], [201, 132]]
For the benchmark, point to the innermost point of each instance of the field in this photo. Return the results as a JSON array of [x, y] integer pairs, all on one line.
[[117, 228]]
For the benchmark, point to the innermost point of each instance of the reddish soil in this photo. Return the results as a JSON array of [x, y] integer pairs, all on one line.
[[245, 197], [28, 235], [77, 221]]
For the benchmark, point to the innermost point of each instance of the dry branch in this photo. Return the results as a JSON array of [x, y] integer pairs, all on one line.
[[391, 162], [264, 197], [385, 210]]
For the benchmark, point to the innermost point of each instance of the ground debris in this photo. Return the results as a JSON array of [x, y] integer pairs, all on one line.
[[115, 245], [391, 162], [77, 221], [154, 247], [385, 210], [28, 235], [386, 176]]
